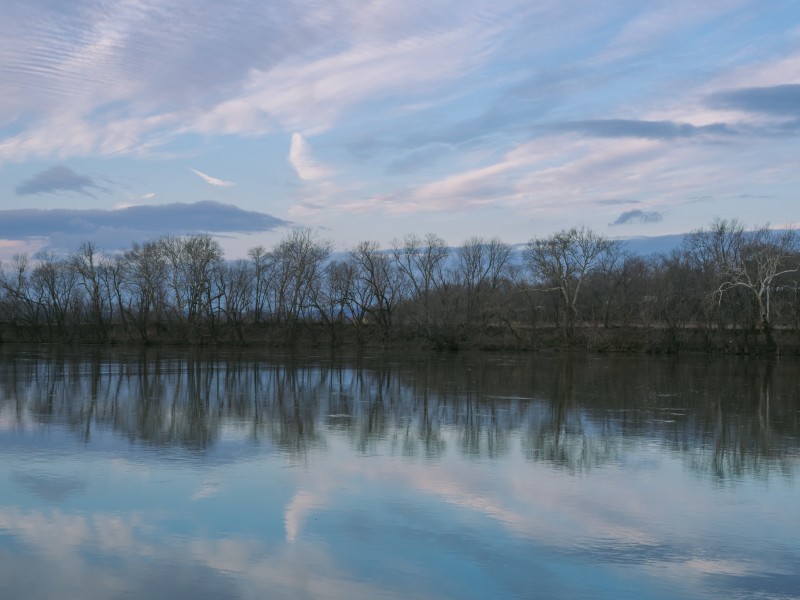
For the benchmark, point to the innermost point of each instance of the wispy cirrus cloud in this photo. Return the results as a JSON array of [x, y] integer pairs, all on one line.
[[552, 176], [58, 179], [653, 130], [128, 81], [419, 158], [212, 180], [302, 161], [439, 100]]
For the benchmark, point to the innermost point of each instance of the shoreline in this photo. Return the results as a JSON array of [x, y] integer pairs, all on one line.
[[596, 339]]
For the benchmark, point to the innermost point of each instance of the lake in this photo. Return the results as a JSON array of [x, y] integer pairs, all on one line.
[[165, 473]]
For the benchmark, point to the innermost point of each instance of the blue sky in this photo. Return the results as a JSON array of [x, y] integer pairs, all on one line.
[[125, 120]]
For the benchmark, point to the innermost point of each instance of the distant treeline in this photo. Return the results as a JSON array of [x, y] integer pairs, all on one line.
[[725, 289]]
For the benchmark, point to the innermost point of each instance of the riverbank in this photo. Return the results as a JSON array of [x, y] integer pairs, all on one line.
[[656, 339]]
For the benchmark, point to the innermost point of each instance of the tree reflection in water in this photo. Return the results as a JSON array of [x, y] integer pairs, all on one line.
[[724, 417]]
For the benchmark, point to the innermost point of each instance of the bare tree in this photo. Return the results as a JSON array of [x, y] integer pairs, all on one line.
[[562, 262], [55, 282], [263, 271], [422, 263], [299, 260], [614, 269], [202, 256], [235, 283], [112, 275], [24, 303], [382, 278], [192, 261], [336, 300], [145, 280], [759, 258], [707, 251], [88, 266], [172, 249], [480, 267]]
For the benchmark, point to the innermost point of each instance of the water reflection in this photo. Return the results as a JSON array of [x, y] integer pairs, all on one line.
[[726, 418], [239, 474]]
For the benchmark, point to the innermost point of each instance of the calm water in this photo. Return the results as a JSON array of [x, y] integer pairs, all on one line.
[[169, 474]]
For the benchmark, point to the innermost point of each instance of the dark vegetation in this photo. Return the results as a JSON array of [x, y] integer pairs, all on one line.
[[726, 289]]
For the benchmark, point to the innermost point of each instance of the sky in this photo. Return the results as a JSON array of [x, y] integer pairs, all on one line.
[[123, 121]]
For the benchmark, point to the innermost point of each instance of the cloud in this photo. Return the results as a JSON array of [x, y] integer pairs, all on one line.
[[386, 54], [426, 81], [518, 111], [300, 158], [417, 159], [301, 505], [494, 183], [652, 130], [66, 545], [207, 490], [212, 180], [638, 216], [130, 80], [58, 179], [117, 228], [776, 100]]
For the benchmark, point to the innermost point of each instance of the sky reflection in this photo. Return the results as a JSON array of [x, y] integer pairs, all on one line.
[[362, 481]]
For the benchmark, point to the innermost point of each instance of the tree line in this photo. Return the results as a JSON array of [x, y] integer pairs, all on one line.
[[725, 288]]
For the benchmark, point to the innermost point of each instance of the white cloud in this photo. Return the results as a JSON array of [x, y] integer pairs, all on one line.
[[301, 505], [122, 80], [313, 95], [563, 174], [212, 180], [68, 134], [207, 490], [300, 158], [145, 77], [655, 22]]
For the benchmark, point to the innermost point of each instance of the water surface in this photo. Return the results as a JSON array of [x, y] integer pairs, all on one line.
[[226, 474]]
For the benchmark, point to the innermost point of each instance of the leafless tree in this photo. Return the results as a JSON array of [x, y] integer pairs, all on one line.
[[172, 249], [562, 262], [758, 259], [334, 298], [88, 266], [235, 283], [299, 260], [191, 263], [422, 262], [708, 250], [23, 303], [614, 268], [382, 278], [55, 283], [112, 276], [480, 267], [263, 271], [202, 256], [145, 280]]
